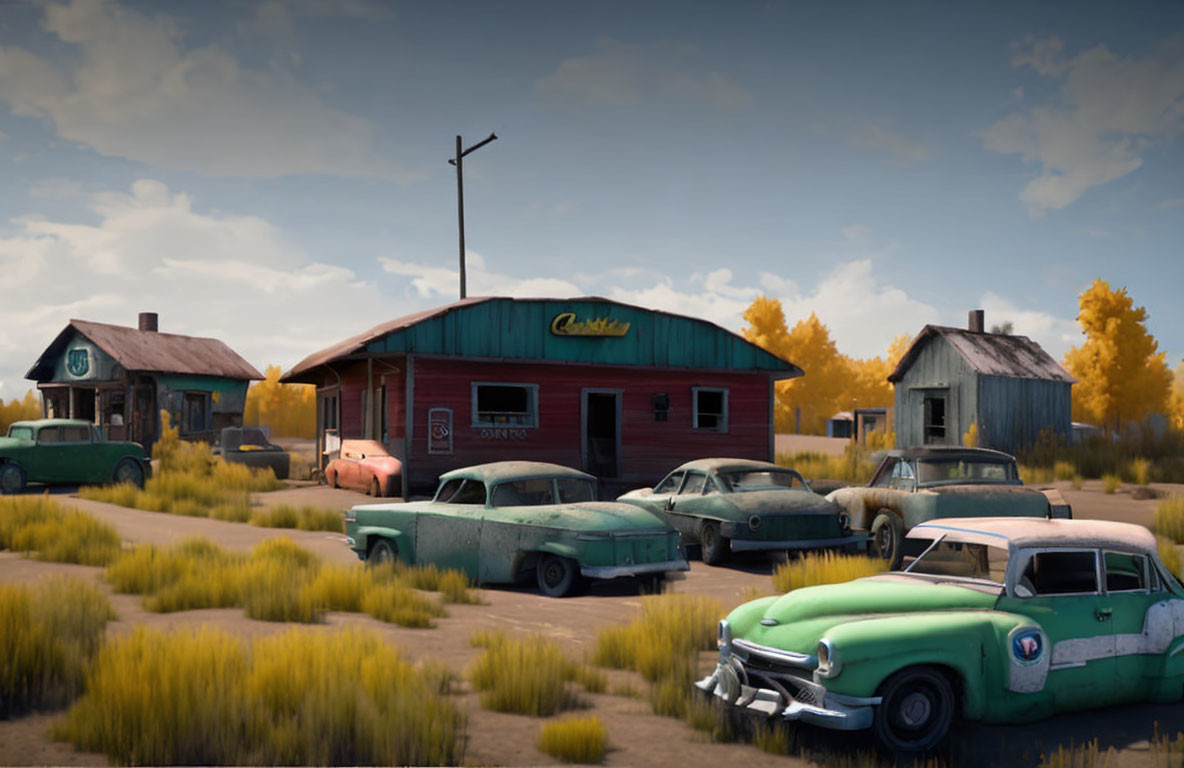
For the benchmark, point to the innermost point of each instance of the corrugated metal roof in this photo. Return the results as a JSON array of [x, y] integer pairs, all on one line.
[[509, 328], [991, 354], [138, 350]]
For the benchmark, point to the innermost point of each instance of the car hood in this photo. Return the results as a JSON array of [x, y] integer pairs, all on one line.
[[592, 517], [797, 620]]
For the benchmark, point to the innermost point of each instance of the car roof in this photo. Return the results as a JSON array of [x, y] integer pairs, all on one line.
[[721, 464], [949, 451], [498, 471], [51, 423], [1035, 532]]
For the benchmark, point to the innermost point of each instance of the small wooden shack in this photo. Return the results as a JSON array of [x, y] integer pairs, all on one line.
[[121, 378], [1007, 386]]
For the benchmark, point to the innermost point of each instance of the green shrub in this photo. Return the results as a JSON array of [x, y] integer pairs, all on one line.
[[42, 526], [815, 568], [49, 633], [1169, 518], [1111, 482], [574, 740], [299, 698]]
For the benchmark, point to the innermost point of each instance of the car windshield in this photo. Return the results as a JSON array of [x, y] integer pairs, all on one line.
[[739, 481], [963, 560], [21, 433], [962, 469]]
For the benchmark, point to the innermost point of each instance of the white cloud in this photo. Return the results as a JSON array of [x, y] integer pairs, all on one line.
[[1107, 113], [630, 73], [135, 91], [879, 138], [221, 275], [1055, 334]]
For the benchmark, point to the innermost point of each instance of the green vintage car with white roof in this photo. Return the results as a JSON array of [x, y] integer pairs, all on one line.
[[1002, 620], [67, 451], [509, 521]]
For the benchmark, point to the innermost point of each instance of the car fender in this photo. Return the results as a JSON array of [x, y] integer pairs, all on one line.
[[365, 536]]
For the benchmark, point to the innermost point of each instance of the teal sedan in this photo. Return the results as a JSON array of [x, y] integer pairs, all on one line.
[[66, 452], [508, 522], [1000, 620]]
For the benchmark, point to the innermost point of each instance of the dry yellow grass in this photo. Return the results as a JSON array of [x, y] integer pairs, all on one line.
[[48, 633], [298, 698], [40, 525], [574, 739], [814, 568], [1169, 518]]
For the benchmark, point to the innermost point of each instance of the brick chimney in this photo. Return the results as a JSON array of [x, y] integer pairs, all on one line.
[[975, 324], [148, 321]]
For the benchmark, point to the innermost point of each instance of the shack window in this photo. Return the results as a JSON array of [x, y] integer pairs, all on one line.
[[935, 419], [710, 408], [505, 405]]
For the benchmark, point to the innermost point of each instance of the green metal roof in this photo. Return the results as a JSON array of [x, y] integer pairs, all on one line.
[[522, 329]]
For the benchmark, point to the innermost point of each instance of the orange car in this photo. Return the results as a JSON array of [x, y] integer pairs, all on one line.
[[364, 465]]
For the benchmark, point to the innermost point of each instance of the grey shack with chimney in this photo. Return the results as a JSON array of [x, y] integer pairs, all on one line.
[[120, 379], [1007, 386]]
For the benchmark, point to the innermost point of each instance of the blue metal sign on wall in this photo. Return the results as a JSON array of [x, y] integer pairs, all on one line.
[[78, 362]]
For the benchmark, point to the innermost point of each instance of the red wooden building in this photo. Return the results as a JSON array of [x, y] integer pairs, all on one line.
[[620, 391]]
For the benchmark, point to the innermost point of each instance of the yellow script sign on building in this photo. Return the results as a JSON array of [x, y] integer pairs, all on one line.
[[565, 324]]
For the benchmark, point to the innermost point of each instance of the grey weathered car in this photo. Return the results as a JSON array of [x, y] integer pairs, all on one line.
[[736, 505], [914, 485]]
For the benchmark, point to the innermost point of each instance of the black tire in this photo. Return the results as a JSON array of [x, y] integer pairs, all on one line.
[[383, 551], [916, 710], [557, 576], [12, 478], [713, 545], [887, 539], [129, 471]]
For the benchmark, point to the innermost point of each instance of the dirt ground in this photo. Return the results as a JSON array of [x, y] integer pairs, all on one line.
[[636, 736]]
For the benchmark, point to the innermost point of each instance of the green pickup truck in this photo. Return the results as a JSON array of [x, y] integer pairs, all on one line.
[[66, 452], [1002, 620]]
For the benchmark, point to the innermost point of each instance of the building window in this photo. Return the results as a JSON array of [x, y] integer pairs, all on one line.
[[505, 405], [935, 419], [710, 408]]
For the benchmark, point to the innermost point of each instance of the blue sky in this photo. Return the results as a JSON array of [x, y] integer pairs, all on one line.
[[274, 174]]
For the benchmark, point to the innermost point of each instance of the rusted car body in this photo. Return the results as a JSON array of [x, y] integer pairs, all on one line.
[[915, 485], [736, 505], [509, 521], [365, 465]]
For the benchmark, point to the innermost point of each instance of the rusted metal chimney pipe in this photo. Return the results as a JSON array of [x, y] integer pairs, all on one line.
[[148, 321], [976, 321]]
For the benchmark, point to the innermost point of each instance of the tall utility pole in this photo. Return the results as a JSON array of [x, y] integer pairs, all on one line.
[[458, 161]]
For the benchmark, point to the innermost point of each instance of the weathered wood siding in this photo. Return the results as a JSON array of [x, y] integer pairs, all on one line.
[[937, 367], [1013, 413]]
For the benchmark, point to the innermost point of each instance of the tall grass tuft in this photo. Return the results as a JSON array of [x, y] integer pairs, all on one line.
[[814, 568], [49, 633], [42, 526], [1169, 518], [305, 518], [300, 698], [574, 739], [527, 676]]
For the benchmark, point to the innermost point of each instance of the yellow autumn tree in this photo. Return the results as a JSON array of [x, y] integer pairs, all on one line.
[[288, 410], [1121, 375], [28, 407], [833, 381]]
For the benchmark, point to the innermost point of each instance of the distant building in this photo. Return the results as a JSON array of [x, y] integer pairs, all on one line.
[[623, 392], [1007, 386], [121, 378]]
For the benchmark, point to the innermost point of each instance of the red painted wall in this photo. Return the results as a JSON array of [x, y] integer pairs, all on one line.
[[648, 448]]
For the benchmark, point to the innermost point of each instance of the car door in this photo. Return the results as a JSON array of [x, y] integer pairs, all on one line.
[[1059, 588], [1140, 618], [449, 536]]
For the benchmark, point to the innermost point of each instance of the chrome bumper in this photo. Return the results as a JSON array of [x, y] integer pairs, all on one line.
[[726, 684], [748, 545], [616, 571]]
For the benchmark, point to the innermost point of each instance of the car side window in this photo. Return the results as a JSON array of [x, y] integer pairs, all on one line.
[[694, 483], [1060, 573], [49, 435], [670, 484], [1125, 573]]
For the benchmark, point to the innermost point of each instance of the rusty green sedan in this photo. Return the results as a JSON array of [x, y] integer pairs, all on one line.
[[66, 451], [508, 522]]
